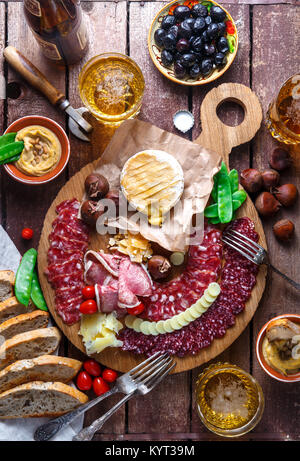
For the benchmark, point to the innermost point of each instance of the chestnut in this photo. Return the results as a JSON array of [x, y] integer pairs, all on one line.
[[266, 204], [280, 159], [114, 195], [90, 212], [96, 186], [251, 180], [159, 267], [284, 229], [286, 194], [270, 178]]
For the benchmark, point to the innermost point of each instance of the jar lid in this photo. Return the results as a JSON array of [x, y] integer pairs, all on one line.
[[183, 120]]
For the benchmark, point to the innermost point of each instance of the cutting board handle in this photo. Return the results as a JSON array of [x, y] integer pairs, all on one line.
[[215, 134]]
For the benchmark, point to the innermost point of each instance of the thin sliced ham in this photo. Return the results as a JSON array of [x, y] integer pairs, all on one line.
[[111, 262], [107, 297]]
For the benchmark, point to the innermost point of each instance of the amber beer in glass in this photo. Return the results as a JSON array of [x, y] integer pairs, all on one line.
[[283, 117]]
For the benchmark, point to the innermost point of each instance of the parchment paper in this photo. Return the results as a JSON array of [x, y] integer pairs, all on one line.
[[199, 166]]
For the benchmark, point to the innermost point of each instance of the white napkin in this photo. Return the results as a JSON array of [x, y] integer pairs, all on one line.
[[23, 429]]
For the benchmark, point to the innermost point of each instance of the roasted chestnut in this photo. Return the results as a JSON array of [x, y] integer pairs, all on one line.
[[266, 204], [280, 159], [284, 229], [286, 194], [159, 267], [91, 211], [251, 180], [270, 178], [96, 186], [114, 195]]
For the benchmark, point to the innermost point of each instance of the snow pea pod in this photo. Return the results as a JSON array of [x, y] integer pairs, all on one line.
[[7, 138], [211, 211], [24, 276], [11, 159], [37, 296], [239, 195], [234, 180], [224, 198], [11, 150]]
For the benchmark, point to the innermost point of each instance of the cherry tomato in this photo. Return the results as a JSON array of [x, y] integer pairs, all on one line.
[[173, 8], [88, 292], [92, 367], [88, 307], [136, 310], [230, 28], [109, 375], [100, 386], [27, 233], [84, 381]]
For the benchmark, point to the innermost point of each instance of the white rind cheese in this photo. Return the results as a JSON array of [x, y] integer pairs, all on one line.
[[178, 321], [99, 331]]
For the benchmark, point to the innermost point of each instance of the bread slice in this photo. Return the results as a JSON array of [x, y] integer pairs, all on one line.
[[7, 281], [38, 399], [24, 322], [29, 345], [11, 308], [43, 368]]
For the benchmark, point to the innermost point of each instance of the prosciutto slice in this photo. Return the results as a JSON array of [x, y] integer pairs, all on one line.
[[134, 281]]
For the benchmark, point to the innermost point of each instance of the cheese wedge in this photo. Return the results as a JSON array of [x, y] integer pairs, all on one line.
[[99, 331]]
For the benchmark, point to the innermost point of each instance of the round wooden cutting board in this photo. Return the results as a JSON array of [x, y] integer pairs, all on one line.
[[215, 136]]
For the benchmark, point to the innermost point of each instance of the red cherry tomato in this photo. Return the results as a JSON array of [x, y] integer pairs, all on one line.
[[27, 233], [100, 386], [136, 310], [109, 375], [92, 367], [88, 292], [88, 307], [84, 381], [230, 28]]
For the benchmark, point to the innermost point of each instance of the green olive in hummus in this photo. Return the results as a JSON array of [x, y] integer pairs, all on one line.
[[281, 346], [42, 150]]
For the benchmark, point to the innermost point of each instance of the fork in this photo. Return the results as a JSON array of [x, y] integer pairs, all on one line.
[[252, 251], [141, 379]]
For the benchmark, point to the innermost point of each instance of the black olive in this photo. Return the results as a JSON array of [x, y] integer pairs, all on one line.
[[190, 21], [199, 56], [169, 41], [167, 58], [205, 37], [185, 29], [182, 12], [182, 45], [208, 20], [212, 30], [158, 36], [199, 26], [217, 14], [174, 30], [222, 28], [206, 66], [222, 45], [195, 70], [167, 22], [209, 49], [188, 59], [220, 59], [197, 44], [179, 69], [199, 10]]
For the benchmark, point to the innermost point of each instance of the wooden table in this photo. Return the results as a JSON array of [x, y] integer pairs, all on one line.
[[268, 54]]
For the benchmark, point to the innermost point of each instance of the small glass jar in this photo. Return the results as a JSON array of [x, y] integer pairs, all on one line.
[[230, 402]]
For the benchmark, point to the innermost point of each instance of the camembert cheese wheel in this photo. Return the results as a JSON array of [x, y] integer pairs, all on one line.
[[152, 182]]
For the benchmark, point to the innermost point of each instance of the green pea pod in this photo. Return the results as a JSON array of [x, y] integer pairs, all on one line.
[[234, 180], [239, 195], [214, 192], [7, 138], [224, 198], [236, 204], [37, 296], [214, 220], [231, 43], [24, 276], [11, 150], [11, 159], [211, 211]]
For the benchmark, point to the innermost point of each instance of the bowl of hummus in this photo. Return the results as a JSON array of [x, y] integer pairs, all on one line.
[[46, 150], [278, 348]]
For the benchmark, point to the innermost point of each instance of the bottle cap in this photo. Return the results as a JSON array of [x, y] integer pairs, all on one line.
[[183, 120]]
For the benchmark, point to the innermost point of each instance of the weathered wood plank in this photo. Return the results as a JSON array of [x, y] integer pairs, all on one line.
[[2, 104]]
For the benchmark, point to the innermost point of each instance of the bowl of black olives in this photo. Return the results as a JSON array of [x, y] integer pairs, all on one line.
[[193, 42]]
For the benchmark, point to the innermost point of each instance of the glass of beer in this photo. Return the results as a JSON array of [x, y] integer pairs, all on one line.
[[230, 402], [111, 87], [283, 116]]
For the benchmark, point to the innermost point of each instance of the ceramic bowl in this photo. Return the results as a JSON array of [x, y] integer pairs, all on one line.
[[260, 357], [23, 122], [155, 51]]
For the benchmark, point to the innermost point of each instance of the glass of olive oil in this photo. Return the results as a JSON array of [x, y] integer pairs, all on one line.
[[283, 116], [111, 86], [230, 402]]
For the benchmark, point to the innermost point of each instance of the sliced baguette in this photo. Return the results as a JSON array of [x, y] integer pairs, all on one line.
[[11, 308], [37, 399], [29, 345], [7, 280], [24, 322], [43, 368]]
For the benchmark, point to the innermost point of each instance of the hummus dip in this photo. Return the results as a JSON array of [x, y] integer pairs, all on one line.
[[42, 150]]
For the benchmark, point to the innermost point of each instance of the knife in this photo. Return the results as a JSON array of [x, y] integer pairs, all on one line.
[[77, 124]]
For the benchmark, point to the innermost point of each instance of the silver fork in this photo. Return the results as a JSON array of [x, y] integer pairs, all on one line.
[[252, 251], [141, 379]]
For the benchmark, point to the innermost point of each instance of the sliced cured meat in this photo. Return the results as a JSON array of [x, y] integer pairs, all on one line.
[[64, 243], [69, 266], [107, 297], [63, 280], [59, 256], [94, 271], [72, 204], [69, 231], [134, 281], [69, 292], [110, 262]]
